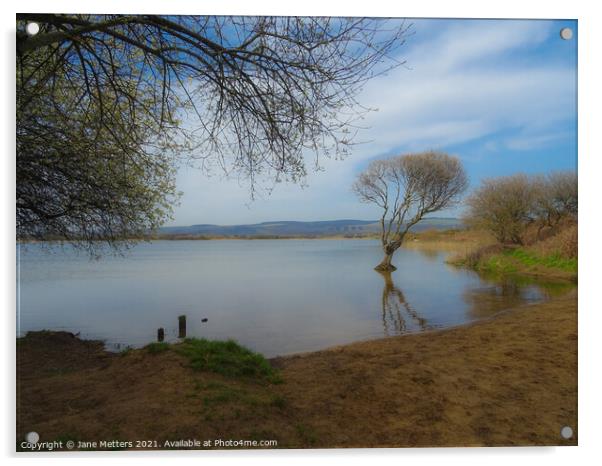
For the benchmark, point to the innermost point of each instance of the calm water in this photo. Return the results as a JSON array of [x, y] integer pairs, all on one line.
[[274, 296]]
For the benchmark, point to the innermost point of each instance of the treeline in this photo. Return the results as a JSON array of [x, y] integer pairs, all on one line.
[[524, 208]]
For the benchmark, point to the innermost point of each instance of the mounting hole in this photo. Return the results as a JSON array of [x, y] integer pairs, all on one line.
[[566, 33], [566, 432], [32, 28]]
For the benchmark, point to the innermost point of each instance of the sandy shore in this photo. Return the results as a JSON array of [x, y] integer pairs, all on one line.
[[509, 380]]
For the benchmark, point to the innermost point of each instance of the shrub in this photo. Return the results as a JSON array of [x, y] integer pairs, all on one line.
[[563, 244], [522, 209], [556, 198], [504, 206]]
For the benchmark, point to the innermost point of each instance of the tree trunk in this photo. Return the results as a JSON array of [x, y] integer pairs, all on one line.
[[386, 265], [389, 248]]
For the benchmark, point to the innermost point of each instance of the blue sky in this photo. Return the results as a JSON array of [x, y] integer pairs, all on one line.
[[499, 94]]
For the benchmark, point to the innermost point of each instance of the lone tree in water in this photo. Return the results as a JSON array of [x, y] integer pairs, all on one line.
[[107, 104], [407, 188]]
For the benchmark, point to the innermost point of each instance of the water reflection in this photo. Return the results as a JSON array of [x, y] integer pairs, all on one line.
[[500, 293], [488, 300], [328, 295], [397, 313]]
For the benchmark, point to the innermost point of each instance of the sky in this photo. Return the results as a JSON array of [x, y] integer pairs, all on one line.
[[499, 94]]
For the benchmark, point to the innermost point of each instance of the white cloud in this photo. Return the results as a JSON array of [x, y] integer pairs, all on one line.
[[459, 89], [466, 80], [461, 43]]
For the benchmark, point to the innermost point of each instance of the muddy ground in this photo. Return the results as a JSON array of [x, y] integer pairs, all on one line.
[[509, 380]]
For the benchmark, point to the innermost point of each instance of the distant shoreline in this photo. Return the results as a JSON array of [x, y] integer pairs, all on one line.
[[327, 229], [367, 235], [212, 238], [258, 237]]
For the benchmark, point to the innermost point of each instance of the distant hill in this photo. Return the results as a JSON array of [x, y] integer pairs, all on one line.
[[309, 229]]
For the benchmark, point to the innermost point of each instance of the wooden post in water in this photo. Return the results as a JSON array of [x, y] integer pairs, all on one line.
[[160, 334], [182, 327]]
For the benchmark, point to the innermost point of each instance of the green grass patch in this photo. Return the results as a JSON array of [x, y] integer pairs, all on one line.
[[156, 348], [499, 264], [554, 261], [517, 260], [226, 358]]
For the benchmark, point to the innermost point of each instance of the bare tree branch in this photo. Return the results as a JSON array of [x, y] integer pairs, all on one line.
[[420, 184], [253, 96]]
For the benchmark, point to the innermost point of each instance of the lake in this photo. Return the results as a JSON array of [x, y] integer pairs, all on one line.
[[273, 296]]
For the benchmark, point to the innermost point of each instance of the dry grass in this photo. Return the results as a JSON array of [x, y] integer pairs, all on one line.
[[510, 380], [553, 257], [564, 243], [459, 242]]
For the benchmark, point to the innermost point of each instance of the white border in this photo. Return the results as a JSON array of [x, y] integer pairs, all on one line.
[[590, 154]]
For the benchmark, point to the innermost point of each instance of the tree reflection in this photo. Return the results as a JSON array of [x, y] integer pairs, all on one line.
[[397, 313]]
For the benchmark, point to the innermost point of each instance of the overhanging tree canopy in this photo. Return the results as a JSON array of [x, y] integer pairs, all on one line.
[[250, 95]]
